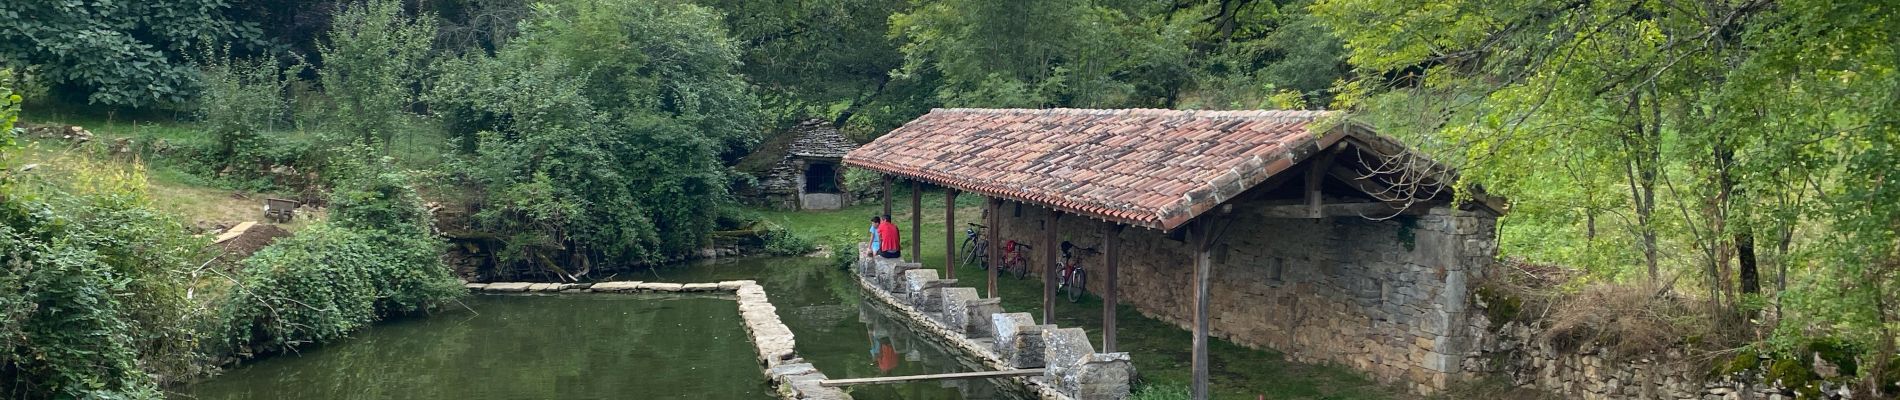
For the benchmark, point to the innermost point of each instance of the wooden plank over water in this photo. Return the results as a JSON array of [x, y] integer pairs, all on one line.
[[931, 377]]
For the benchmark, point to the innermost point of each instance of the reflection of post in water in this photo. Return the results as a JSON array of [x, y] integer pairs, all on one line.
[[925, 356]]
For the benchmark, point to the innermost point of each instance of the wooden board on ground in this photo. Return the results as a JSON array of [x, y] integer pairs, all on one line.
[[931, 377], [234, 232]]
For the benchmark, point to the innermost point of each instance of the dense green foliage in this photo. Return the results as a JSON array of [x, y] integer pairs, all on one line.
[[243, 103], [374, 60], [597, 132], [1708, 140], [92, 297], [111, 52], [376, 256]]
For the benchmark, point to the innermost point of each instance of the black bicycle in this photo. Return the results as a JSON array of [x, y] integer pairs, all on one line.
[[975, 248]]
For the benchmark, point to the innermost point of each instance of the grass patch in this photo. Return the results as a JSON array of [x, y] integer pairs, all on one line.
[[1161, 351]]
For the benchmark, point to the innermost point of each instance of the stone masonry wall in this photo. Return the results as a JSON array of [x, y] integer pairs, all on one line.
[[1512, 350], [1385, 297]]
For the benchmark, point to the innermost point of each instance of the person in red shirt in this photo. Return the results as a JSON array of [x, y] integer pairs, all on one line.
[[888, 241]]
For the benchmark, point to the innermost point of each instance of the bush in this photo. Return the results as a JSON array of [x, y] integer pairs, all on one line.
[[328, 281], [92, 286], [377, 256], [242, 100], [782, 242]]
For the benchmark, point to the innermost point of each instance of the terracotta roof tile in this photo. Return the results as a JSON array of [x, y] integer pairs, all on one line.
[[1145, 167]]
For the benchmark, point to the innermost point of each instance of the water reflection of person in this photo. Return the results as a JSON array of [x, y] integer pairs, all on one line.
[[882, 353]]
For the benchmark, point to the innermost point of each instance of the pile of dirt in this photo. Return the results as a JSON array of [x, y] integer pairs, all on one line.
[[249, 242]]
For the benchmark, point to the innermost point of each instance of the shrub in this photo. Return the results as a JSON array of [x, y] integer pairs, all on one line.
[[782, 242], [377, 256], [243, 99], [92, 277]]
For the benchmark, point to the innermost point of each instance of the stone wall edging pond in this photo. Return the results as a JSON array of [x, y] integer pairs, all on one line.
[[791, 376], [978, 327]]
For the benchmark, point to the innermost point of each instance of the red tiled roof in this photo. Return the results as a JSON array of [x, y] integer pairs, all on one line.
[[1144, 167]]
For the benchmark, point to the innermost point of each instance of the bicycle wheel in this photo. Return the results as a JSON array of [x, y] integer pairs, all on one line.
[[1021, 268], [968, 251], [1078, 284]]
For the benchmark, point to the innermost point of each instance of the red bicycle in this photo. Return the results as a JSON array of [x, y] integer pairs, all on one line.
[[1013, 260], [1074, 278]]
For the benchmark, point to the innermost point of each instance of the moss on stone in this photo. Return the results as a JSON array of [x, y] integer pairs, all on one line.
[[1745, 360], [1795, 375], [1499, 306]]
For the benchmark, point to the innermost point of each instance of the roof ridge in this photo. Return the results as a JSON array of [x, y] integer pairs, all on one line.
[[1215, 114]]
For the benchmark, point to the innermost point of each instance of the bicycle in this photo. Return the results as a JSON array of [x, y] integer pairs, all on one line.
[[1074, 281], [976, 248], [1013, 259]]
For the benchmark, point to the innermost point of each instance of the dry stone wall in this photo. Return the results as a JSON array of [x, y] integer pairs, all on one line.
[[1386, 297], [1513, 350]]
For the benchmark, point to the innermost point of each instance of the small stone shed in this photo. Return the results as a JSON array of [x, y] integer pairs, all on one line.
[[1299, 231], [800, 169]]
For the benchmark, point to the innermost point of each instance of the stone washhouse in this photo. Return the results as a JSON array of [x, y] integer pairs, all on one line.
[[1299, 231], [800, 169]]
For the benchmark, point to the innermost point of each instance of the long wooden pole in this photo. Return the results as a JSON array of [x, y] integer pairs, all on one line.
[[887, 200], [1202, 231], [995, 252], [1049, 267], [950, 233], [916, 221], [1111, 250]]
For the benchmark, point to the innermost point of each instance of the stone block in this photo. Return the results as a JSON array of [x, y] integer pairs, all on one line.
[[1027, 348], [699, 287], [508, 287], [734, 285], [1007, 325], [1063, 349], [475, 286], [954, 307], [1102, 376], [896, 285], [620, 286], [661, 287], [912, 282], [977, 322]]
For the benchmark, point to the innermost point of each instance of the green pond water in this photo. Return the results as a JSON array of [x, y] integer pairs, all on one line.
[[601, 346]]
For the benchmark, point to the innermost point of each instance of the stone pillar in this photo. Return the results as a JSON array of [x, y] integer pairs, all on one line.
[[895, 282], [913, 285], [955, 305], [1103, 376], [1007, 328], [980, 325], [1062, 352], [1455, 248]]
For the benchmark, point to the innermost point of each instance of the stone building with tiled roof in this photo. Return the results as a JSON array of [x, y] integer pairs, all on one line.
[[1299, 231], [800, 169]]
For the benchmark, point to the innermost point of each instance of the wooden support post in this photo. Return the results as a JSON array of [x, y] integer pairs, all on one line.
[[950, 233], [1205, 234], [916, 221], [887, 199], [1111, 250], [1201, 230], [1049, 270], [1315, 176], [995, 254]]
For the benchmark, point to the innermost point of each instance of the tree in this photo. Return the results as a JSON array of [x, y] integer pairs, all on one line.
[[596, 133], [1721, 121], [1048, 53], [374, 62], [112, 52]]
